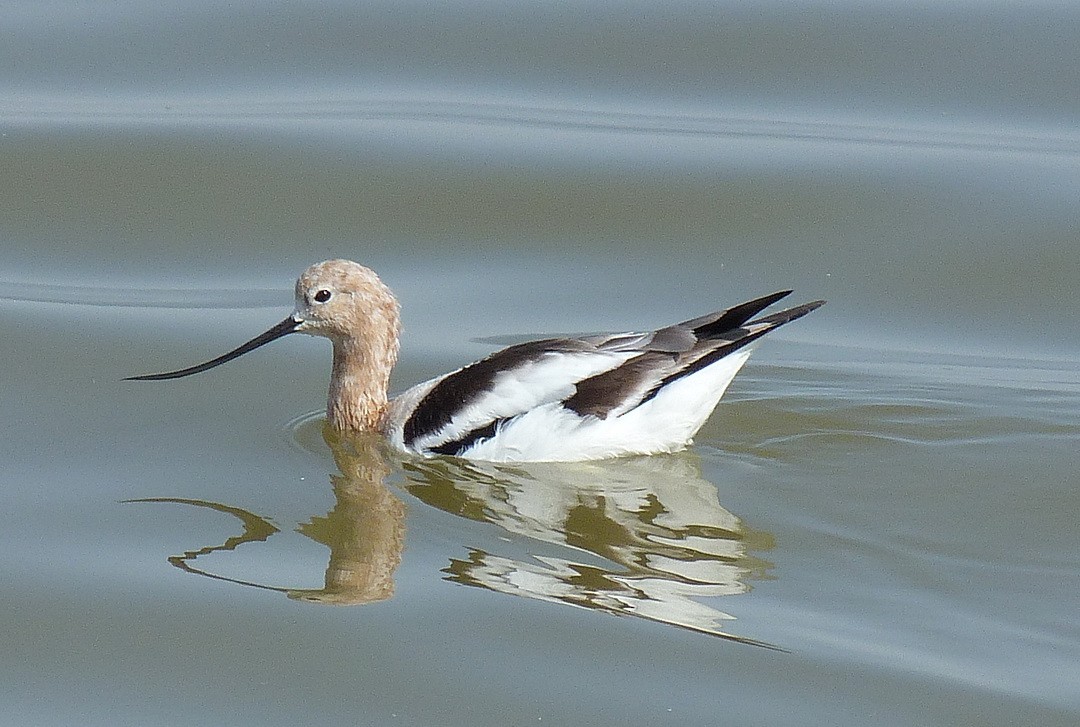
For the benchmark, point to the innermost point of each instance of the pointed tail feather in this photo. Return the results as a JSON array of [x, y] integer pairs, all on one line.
[[716, 324], [788, 315], [747, 334], [752, 331]]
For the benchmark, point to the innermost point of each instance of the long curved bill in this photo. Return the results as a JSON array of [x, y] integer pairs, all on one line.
[[287, 326]]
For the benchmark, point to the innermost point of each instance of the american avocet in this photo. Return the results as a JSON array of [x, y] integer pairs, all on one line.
[[558, 399]]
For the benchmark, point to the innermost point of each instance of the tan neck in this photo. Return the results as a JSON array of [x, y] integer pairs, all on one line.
[[358, 384]]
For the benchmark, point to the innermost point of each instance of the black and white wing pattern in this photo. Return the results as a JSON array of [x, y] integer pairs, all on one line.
[[590, 393]]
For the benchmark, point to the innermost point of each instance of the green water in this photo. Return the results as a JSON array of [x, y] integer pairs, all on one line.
[[877, 526]]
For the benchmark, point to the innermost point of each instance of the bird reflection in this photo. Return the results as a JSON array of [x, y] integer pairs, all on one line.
[[654, 518], [643, 537], [365, 530]]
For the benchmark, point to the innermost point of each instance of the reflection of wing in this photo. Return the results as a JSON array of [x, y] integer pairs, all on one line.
[[654, 519], [559, 581]]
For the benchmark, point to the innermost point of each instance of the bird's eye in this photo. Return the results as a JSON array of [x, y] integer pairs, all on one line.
[[322, 296]]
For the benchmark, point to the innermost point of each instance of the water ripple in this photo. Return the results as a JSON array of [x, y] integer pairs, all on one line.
[[291, 109], [231, 298]]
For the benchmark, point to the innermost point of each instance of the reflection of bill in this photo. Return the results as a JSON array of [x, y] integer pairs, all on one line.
[[655, 518], [650, 537], [365, 530]]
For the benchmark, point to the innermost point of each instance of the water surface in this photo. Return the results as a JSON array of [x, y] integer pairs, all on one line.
[[876, 527]]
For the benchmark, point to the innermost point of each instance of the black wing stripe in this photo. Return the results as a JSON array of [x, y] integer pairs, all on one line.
[[457, 447], [463, 387], [598, 395]]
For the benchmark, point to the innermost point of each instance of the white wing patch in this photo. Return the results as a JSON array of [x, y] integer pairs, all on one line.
[[666, 423], [547, 379]]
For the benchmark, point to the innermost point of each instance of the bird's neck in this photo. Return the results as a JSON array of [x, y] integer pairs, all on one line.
[[358, 384]]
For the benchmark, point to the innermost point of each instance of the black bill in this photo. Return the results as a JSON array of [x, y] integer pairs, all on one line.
[[287, 326]]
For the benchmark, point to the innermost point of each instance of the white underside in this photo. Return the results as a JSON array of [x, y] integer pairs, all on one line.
[[549, 432]]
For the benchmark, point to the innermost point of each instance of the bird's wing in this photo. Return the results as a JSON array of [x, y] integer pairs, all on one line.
[[593, 376], [463, 405]]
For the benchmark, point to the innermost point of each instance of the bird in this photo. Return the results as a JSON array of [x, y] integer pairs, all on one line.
[[557, 399]]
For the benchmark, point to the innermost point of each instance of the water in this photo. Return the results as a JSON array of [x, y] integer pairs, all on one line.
[[876, 527]]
